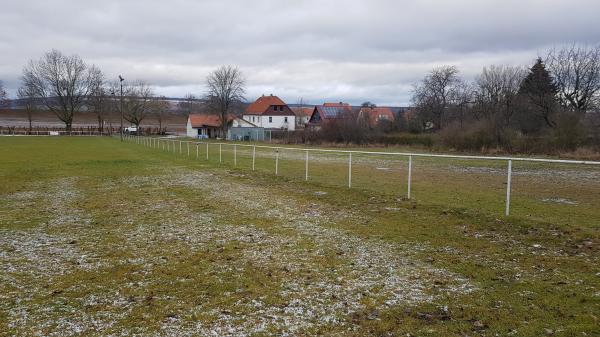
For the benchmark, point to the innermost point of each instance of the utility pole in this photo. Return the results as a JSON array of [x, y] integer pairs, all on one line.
[[121, 79]]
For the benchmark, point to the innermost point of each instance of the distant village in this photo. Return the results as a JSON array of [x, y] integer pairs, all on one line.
[[267, 115], [270, 113]]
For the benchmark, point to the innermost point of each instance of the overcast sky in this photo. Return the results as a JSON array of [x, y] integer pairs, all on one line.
[[321, 50]]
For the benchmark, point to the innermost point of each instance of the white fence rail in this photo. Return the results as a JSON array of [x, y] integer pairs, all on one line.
[[53, 133], [169, 144]]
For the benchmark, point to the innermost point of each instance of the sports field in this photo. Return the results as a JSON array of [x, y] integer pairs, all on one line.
[[99, 237]]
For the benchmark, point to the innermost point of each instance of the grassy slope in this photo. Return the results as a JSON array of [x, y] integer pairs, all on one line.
[[520, 287]]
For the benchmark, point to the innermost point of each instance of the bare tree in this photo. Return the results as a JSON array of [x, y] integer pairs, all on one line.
[[434, 95], [27, 96], [3, 95], [62, 82], [98, 100], [497, 90], [137, 99], [226, 87], [190, 101], [462, 98], [576, 74], [159, 107]]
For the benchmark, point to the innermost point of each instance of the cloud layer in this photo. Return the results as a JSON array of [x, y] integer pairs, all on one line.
[[349, 50]]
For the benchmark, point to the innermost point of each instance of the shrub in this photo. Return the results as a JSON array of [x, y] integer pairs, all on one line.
[[568, 133], [422, 139], [478, 136]]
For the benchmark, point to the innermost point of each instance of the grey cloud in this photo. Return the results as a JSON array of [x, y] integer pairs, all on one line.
[[320, 50]]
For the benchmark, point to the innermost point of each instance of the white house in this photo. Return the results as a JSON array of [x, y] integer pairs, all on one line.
[[270, 112], [209, 126], [203, 126]]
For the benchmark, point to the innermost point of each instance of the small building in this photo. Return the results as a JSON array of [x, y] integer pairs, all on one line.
[[374, 116], [242, 133], [242, 130], [204, 126], [270, 112], [329, 112]]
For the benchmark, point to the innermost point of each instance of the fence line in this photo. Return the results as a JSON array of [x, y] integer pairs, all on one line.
[[409, 155], [34, 133]]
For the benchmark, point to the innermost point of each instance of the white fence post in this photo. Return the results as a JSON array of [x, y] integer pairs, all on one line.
[[508, 183], [350, 170], [207, 151], [180, 152], [276, 162], [188, 148], [306, 167], [220, 153], [234, 154], [409, 175], [196, 151], [253, 156]]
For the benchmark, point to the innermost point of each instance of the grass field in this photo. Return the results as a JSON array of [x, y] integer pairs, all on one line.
[[565, 193], [103, 238]]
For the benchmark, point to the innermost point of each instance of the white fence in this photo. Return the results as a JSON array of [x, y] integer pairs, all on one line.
[[177, 146], [12, 132]]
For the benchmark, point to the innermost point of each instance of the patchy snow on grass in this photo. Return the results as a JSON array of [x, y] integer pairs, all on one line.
[[367, 270], [318, 275], [558, 200]]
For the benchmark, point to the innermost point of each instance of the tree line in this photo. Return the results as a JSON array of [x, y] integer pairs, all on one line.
[[554, 100], [66, 84]]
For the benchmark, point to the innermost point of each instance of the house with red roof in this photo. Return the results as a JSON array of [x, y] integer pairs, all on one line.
[[209, 125], [329, 112], [270, 112], [374, 116]]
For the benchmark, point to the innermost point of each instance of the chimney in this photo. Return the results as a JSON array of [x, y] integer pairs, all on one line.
[[271, 94]]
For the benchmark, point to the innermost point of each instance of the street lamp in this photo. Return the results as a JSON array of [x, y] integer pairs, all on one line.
[[121, 79]]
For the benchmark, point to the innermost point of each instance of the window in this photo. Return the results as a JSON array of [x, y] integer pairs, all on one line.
[[285, 119], [270, 119]]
